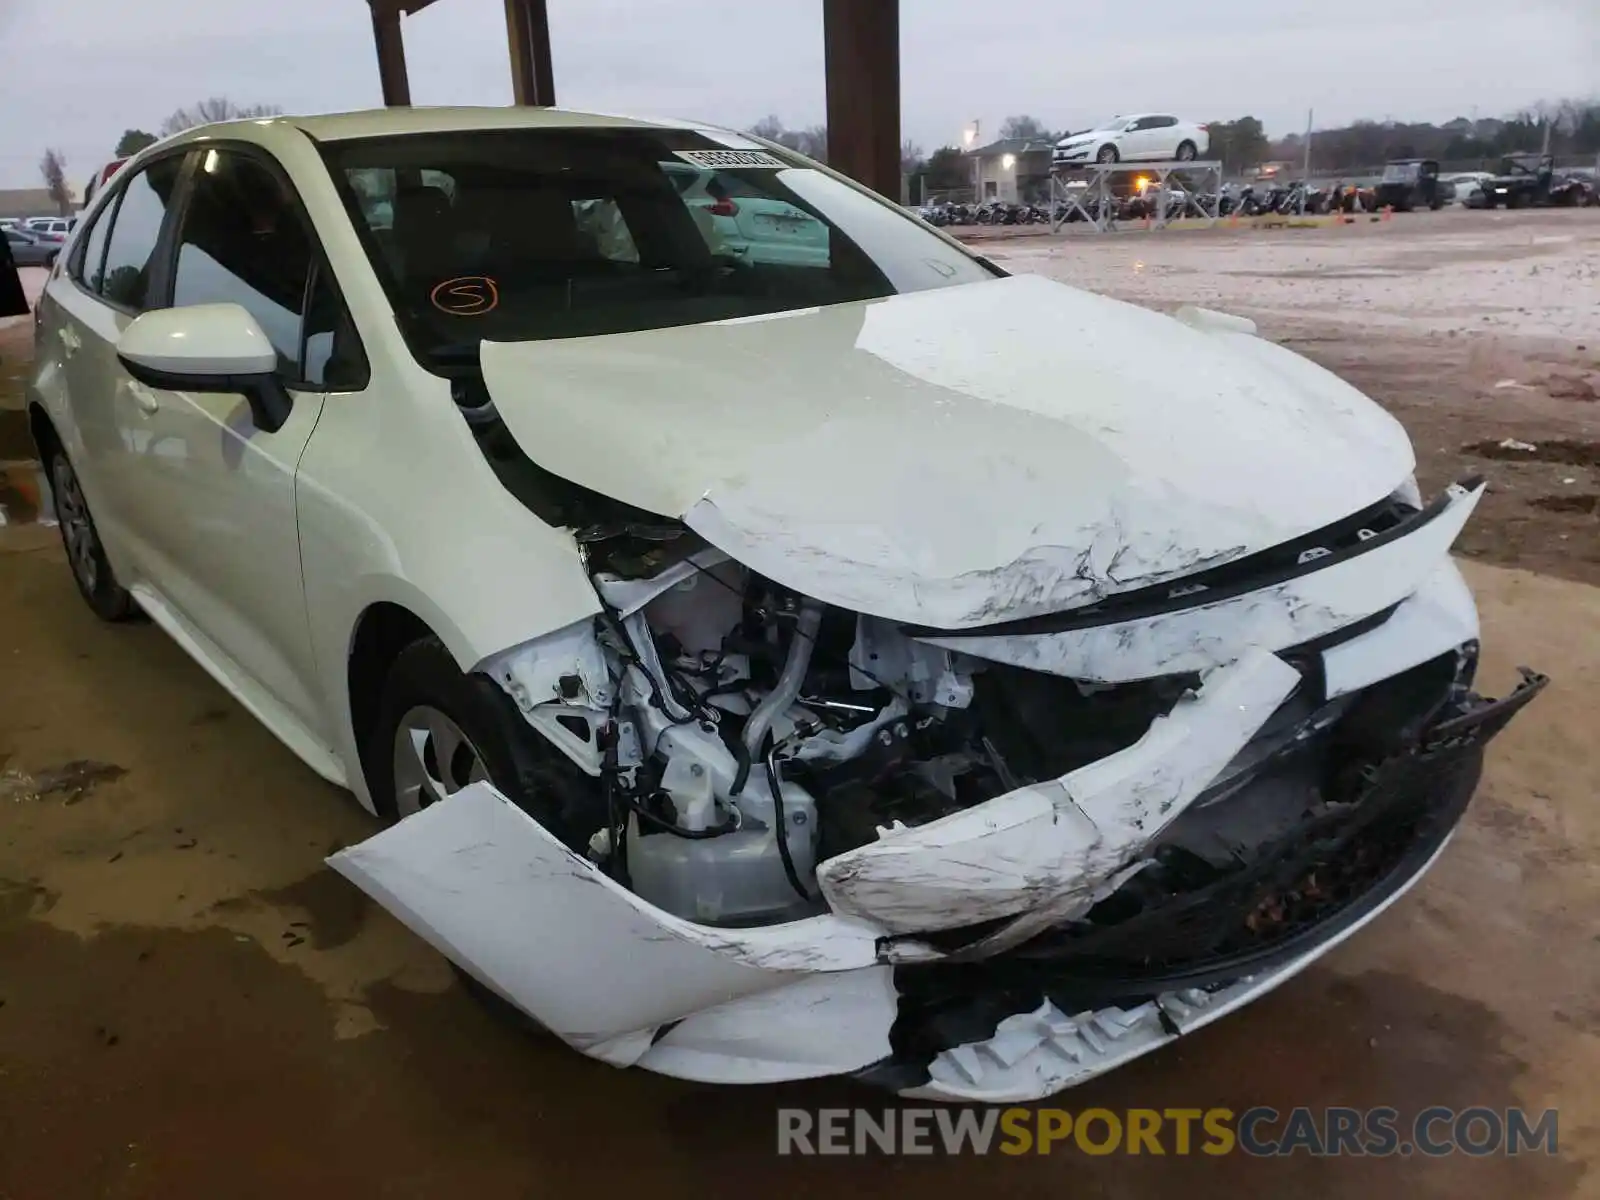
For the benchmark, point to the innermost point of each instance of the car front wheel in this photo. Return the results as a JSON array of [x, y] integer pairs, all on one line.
[[91, 570], [1108, 154], [440, 728]]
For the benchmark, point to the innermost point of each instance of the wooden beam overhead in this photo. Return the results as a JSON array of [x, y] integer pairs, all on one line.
[[528, 36], [861, 41], [391, 57]]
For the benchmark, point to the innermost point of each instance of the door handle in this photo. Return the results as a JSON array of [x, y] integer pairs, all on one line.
[[146, 399]]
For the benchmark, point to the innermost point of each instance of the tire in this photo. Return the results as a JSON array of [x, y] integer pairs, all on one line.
[[1107, 154], [86, 556], [496, 744], [1187, 152]]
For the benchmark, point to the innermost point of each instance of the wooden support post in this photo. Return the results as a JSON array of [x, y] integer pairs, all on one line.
[[862, 49], [528, 35], [391, 53]]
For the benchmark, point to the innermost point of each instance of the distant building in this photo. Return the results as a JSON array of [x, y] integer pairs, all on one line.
[[32, 202], [1012, 170]]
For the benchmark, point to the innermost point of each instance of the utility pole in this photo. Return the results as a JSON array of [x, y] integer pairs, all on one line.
[[1305, 173]]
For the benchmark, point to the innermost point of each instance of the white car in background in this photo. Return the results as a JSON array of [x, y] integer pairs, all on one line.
[[1140, 137], [767, 667], [1465, 183]]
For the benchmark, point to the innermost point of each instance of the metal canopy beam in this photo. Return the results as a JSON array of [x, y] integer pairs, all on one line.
[[528, 35], [861, 40]]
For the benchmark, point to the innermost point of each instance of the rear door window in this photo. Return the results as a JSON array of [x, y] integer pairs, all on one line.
[[87, 269]]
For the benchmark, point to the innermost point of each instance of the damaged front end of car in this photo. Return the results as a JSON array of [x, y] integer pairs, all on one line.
[[980, 863]]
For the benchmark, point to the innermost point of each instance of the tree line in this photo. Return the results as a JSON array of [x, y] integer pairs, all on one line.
[[53, 164]]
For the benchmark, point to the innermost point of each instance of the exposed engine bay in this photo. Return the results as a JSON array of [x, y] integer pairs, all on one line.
[[754, 733]]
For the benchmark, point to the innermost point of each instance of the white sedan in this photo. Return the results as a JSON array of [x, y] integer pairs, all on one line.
[[854, 664], [1140, 137]]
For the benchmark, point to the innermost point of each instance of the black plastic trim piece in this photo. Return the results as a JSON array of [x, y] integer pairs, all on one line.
[[270, 402]]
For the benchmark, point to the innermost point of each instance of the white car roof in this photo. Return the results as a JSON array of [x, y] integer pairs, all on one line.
[[379, 122]]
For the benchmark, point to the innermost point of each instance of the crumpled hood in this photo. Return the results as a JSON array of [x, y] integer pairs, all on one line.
[[961, 456]]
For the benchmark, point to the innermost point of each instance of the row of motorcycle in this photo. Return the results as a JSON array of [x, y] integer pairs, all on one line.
[[1248, 200], [992, 213]]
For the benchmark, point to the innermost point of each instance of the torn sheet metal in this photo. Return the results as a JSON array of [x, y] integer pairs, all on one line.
[[628, 596], [1027, 848], [565, 666], [485, 885], [1276, 617], [1038, 1054], [897, 458]]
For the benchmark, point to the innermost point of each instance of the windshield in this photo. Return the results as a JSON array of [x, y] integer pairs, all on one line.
[[534, 234], [1400, 172]]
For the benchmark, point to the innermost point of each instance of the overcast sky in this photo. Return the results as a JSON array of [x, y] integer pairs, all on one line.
[[75, 73]]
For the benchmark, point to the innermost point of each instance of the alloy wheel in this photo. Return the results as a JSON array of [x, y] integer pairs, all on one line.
[[433, 759], [77, 530]]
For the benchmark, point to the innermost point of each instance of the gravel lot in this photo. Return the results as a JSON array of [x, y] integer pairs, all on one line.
[[192, 1006]]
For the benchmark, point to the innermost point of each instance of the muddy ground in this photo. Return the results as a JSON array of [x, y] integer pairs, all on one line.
[[192, 1005]]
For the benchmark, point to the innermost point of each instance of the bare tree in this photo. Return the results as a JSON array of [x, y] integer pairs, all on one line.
[[215, 108], [911, 157], [1025, 127], [768, 127], [53, 166], [811, 141]]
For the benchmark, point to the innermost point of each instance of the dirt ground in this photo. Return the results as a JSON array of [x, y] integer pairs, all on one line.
[[192, 1005]]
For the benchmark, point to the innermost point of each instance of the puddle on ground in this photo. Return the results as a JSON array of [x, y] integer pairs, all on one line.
[[1567, 451], [335, 910], [19, 493], [69, 782], [1579, 502], [16, 439]]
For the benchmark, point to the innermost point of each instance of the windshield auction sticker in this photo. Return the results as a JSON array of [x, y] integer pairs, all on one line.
[[731, 160]]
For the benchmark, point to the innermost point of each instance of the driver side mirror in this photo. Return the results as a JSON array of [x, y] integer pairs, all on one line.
[[208, 348]]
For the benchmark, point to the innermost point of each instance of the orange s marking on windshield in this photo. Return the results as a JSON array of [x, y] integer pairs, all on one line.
[[466, 296]]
